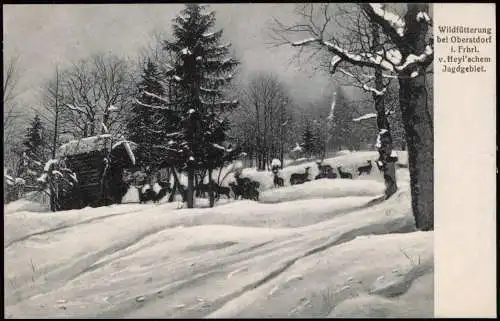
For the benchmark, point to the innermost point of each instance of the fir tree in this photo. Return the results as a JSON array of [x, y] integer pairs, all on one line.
[[146, 126], [34, 151], [201, 69]]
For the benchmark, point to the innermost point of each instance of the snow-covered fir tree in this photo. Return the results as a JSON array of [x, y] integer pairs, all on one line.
[[146, 126], [202, 67], [34, 151]]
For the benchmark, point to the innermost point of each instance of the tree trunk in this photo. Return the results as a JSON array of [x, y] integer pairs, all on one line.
[[56, 117], [420, 145], [174, 188], [418, 123], [210, 188], [386, 163], [190, 187]]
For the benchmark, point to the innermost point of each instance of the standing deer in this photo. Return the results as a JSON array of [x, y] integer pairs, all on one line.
[[297, 178], [344, 174], [278, 181], [365, 169]]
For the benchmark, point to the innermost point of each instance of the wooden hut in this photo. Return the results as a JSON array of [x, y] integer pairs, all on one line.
[[99, 163]]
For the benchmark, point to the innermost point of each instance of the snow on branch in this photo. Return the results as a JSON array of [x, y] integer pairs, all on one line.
[[394, 20], [391, 23], [76, 108], [336, 60], [373, 90], [414, 59], [423, 16], [305, 42], [362, 59], [151, 106], [215, 78], [105, 128], [156, 96], [186, 51], [365, 116]]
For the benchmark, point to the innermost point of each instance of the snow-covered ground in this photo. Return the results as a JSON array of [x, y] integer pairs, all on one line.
[[320, 249]]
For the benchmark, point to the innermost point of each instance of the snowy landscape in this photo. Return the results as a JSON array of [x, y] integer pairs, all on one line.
[[185, 176], [318, 250]]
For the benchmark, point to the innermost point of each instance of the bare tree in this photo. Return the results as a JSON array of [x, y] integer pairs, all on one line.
[[10, 93], [264, 105], [405, 51], [52, 108], [97, 96]]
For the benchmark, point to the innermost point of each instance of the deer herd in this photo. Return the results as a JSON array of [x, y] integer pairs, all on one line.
[[325, 171], [244, 187]]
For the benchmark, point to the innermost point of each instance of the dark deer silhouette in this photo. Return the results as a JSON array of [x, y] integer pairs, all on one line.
[[219, 190], [344, 174], [297, 178], [278, 181], [150, 195], [323, 169], [237, 190], [365, 168]]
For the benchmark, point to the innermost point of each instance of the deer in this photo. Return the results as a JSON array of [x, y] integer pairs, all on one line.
[[146, 193], [365, 168], [202, 189], [344, 174], [219, 190], [323, 168], [297, 178], [278, 181], [237, 190]]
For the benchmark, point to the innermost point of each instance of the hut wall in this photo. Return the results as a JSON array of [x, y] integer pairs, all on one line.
[[88, 168]]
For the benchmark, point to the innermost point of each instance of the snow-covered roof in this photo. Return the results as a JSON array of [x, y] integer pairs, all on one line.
[[85, 145]]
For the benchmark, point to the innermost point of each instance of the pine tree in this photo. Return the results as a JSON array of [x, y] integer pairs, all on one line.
[[147, 125], [201, 68], [34, 151]]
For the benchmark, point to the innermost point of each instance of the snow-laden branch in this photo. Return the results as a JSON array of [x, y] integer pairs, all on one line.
[[156, 96], [305, 42], [390, 60], [375, 91], [105, 128], [365, 116], [412, 59], [214, 78], [423, 16], [151, 106], [336, 60], [186, 51], [76, 108], [392, 24], [392, 19]]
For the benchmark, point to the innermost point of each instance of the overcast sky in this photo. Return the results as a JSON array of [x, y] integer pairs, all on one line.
[[46, 35]]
